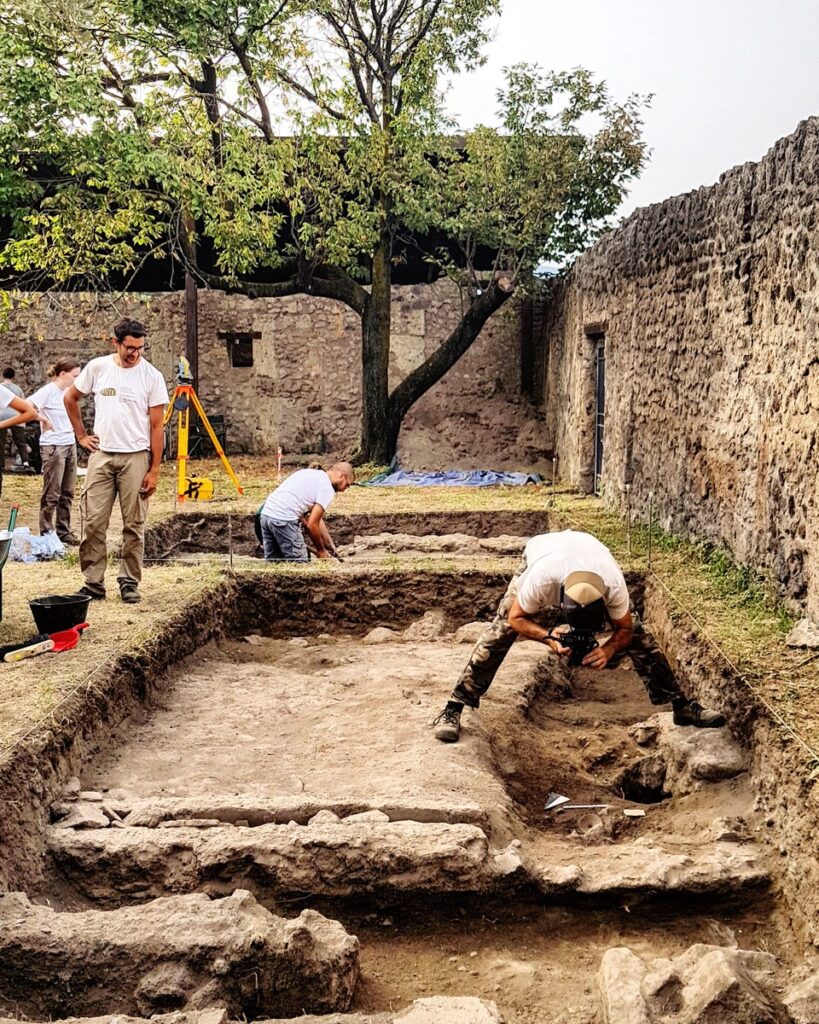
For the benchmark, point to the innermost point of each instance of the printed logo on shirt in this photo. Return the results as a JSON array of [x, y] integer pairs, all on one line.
[[108, 392], [127, 394]]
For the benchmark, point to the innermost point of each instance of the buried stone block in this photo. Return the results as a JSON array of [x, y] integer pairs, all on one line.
[[704, 985], [178, 953], [363, 853], [691, 756]]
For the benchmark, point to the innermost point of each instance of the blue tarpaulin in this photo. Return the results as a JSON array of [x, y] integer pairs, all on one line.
[[451, 478]]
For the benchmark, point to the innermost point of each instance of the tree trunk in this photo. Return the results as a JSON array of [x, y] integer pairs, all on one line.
[[377, 444], [417, 383]]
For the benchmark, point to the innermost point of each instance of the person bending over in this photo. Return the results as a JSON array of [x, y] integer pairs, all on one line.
[[301, 500], [573, 572]]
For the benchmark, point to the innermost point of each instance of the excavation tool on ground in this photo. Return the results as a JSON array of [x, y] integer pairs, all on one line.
[[196, 488], [44, 643], [6, 537]]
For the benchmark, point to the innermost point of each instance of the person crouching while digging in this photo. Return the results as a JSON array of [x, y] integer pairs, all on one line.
[[301, 500], [126, 449], [573, 572]]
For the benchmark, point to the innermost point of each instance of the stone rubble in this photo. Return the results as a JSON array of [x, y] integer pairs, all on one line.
[[186, 952], [704, 985], [691, 756], [431, 626], [470, 633], [804, 634]]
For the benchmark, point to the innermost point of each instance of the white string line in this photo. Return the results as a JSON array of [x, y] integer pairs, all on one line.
[[740, 676]]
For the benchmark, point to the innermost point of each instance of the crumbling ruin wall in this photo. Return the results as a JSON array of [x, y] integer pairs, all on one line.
[[708, 303], [303, 391]]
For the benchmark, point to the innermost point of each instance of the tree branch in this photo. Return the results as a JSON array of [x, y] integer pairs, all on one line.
[[421, 379], [240, 49], [339, 286]]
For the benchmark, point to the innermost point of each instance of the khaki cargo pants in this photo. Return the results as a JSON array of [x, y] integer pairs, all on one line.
[[112, 475], [488, 653]]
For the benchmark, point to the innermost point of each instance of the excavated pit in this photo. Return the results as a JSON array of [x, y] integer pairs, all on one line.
[[290, 760], [191, 533]]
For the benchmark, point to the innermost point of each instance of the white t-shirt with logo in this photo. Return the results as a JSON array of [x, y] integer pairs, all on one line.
[[122, 398], [49, 400], [297, 495], [550, 557]]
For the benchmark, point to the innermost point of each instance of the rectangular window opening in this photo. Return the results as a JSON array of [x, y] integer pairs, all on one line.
[[239, 346]]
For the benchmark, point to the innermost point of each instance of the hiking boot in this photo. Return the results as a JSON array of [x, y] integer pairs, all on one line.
[[129, 593], [448, 725], [70, 540], [96, 595], [692, 713]]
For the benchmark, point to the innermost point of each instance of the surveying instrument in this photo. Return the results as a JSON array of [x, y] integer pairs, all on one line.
[[197, 488]]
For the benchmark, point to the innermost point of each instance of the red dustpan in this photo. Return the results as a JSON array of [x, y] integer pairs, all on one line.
[[67, 638]]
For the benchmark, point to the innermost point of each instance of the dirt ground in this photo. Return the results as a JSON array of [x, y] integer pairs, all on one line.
[[325, 719]]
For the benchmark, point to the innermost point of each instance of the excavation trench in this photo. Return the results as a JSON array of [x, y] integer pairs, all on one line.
[[269, 826]]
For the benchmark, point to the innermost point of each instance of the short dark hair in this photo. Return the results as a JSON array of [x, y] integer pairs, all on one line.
[[8, 373], [129, 328]]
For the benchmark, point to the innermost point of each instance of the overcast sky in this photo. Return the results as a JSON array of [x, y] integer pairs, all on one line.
[[729, 77]]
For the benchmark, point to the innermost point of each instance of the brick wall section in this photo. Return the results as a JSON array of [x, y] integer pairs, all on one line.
[[711, 303], [303, 390]]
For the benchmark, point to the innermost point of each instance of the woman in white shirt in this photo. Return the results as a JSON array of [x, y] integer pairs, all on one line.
[[25, 413], [58, 450]]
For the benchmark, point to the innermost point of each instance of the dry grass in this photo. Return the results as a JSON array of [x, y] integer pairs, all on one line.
[[735, 610]]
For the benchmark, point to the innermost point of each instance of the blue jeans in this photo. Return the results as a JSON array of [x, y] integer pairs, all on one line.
[[283, 541]]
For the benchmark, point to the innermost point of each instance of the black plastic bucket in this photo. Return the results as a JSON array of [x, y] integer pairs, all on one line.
[[58, 612]]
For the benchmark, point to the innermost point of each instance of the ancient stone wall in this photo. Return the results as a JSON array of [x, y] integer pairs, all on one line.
[[303, 390], [709, 305]]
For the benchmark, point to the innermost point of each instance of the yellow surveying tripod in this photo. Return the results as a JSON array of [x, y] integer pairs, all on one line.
[[196, 488]]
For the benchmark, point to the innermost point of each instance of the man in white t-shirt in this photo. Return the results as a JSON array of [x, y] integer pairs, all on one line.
[[301, 500], [126, 450], [573, 572]]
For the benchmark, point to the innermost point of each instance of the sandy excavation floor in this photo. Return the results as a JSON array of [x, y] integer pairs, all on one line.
[[247, 727]]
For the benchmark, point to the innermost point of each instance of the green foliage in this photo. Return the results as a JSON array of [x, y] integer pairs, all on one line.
[[288, 132]]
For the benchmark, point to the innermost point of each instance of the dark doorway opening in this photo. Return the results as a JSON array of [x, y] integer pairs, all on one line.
[[599, 341]]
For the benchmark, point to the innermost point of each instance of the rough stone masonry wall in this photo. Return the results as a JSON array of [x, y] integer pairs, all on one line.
[[303, 390], [709, 302]]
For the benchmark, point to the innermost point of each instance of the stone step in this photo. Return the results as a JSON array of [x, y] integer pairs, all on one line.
[[329, 857], [433, 1010], [256, 810], [645, 867], [367, 854], [181, 952]]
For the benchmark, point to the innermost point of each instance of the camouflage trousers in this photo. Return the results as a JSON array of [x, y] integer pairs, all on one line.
[[488, 653]]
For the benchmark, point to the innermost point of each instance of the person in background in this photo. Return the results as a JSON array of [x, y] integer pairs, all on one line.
[[130, 397], [58, 450], [15, 411], [18, 433]]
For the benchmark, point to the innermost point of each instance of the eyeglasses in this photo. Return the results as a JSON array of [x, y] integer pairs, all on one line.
[[133, 349]]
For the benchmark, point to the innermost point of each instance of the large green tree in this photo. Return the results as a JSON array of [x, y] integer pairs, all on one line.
[[306, 142]]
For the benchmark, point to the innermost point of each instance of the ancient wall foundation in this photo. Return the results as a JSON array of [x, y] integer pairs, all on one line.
[[303, 389], [707, 304]]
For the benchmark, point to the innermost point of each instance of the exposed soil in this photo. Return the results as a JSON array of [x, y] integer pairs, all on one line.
[[190, 532], [303, 715]]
